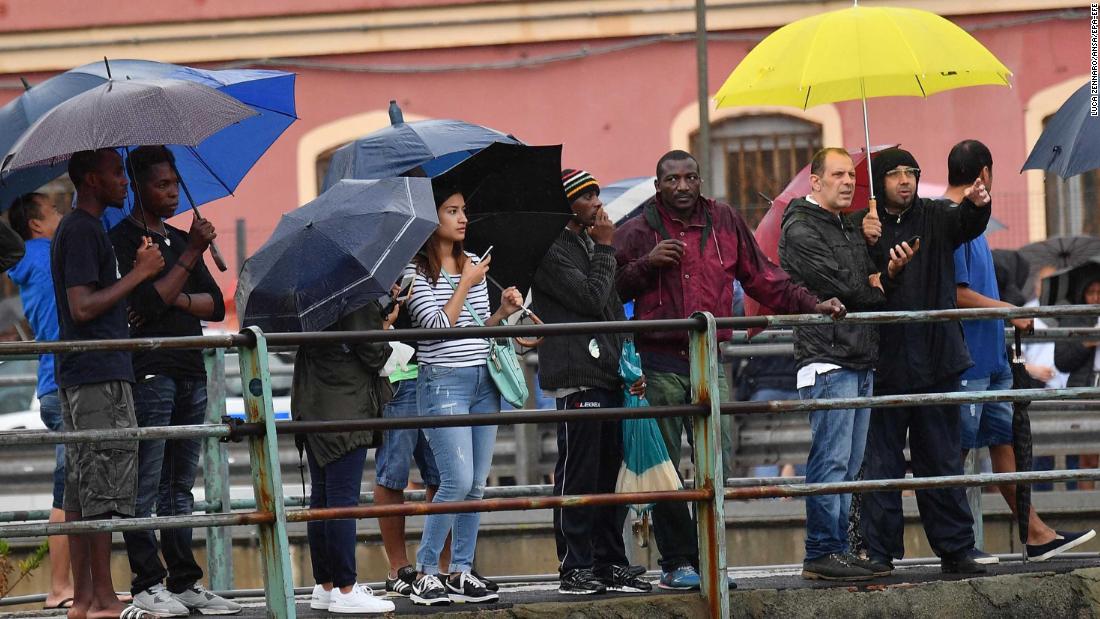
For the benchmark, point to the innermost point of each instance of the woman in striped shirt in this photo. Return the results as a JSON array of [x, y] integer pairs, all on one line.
[[454, 380]]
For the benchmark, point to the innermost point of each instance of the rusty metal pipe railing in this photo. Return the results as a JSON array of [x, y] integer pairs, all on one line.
[[786, 336]]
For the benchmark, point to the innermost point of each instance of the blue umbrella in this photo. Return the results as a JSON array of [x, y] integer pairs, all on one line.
[[335, 254], [420, 148], [1070, 144], [623, 199], [211, 170]]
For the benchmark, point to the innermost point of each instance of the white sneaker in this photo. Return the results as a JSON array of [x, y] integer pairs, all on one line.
[[320, 599], [358, 601], [160, 602], [197, 597]]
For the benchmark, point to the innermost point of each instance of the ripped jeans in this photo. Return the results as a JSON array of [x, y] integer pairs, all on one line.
[[462, 455]]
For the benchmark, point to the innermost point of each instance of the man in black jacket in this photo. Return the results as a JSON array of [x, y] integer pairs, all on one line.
[[822, 250], [576, 283], [919, 358]]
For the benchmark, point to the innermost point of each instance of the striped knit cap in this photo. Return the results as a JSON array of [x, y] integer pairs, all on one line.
[[576, 183]]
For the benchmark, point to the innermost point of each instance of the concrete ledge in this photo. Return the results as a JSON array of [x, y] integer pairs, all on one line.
[[1036, 594]]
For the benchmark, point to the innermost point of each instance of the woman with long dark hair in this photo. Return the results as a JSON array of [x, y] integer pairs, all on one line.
[[454, 379]]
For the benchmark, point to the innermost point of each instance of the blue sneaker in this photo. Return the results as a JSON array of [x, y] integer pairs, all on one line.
[[683, 578]]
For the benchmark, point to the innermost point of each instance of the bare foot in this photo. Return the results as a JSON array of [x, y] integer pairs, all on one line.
[[59, 600]]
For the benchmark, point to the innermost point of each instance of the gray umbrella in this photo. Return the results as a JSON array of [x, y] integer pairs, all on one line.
[[336, 254], [1061, 252], [122, 113], [1070, 143]]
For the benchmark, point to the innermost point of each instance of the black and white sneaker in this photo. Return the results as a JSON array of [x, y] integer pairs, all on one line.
[[402, 585], [580, 582], [428, 591], [1061, 543], [619, 578], [489, 584], [464, 587]]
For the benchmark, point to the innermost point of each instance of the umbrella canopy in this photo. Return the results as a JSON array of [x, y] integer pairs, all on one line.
[[335, 254], [126, 113], [212, 170], [646, 463], [1068, 285], [515, 204], [1070, 143], [420, 148], [1061, 252], [857, 53], [623, 199]]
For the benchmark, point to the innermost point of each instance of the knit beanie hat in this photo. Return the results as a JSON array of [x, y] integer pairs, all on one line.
[[576, 183], [886, 160]]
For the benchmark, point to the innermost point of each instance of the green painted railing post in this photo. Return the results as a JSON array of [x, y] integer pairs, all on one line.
[[711, 515], [267, 480], [215, 476]]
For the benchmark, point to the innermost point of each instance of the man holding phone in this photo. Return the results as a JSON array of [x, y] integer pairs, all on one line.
[[918, 358]]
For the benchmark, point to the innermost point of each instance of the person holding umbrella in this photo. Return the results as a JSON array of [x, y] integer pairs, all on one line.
[[101, 477], [681, 255], [989, 424], [575, 282], [919, 358], [170, 385], [453, 379]]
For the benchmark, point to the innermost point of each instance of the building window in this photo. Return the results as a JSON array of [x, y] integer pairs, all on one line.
[[1073, 204], [322, 164], [754, 157]]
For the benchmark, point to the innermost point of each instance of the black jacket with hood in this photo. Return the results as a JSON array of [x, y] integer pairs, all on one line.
[[826, 253], [914, 356]]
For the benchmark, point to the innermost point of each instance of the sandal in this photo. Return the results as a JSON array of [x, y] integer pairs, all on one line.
[[65, 603]]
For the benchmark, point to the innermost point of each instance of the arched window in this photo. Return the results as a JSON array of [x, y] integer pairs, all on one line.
[[754, 157]]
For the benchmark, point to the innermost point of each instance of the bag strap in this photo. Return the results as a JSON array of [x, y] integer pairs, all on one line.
[[469, 308]]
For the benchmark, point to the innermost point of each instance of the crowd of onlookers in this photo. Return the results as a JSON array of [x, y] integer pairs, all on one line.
[[679, 255]]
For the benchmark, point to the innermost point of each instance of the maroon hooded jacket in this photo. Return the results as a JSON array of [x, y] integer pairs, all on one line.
[[719, 249]]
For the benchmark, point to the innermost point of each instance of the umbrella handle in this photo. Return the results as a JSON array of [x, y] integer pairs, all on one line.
[[216, 254]]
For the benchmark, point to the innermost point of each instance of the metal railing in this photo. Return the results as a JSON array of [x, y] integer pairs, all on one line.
[[271, 515]]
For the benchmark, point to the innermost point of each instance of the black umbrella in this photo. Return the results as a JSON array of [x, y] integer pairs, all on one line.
[[1061, 252], [1021, 436], [516, 205], [1068, 285], [1070, 143]]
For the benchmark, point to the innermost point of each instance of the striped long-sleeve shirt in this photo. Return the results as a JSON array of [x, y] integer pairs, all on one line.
[[426, 308]]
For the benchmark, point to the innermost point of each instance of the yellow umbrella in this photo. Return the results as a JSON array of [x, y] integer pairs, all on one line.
[[857, 53]]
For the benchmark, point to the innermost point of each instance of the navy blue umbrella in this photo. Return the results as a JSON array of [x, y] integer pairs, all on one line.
[[420, 148], [335, 254], [211, 170], [1070, 144]]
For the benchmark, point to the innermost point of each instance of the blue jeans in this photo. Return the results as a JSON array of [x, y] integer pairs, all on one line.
[[463, 456], [332, 542], [838, 439], [49, 409], [401, 447], [166, 474], [985, 424]]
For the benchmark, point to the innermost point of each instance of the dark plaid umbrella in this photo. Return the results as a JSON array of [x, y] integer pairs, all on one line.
[[1021, 437]]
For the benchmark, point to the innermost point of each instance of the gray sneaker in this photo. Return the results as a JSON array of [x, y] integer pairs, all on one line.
[[160, 602], [196, 597]]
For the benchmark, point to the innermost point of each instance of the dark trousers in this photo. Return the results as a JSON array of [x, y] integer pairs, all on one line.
[[590, 454], [166, 474], [934, 448], [332, 542]]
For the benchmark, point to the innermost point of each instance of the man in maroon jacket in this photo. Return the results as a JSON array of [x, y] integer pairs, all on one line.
[[681, 255]]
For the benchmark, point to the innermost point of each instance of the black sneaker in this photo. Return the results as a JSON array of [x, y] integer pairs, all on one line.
[[618, 578], [489, 584], [878, 568], [960, 563], [402, 585], [464, 587], [636, 570], [428, 591], [1063, 542], [580, 582], [834, 567]]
